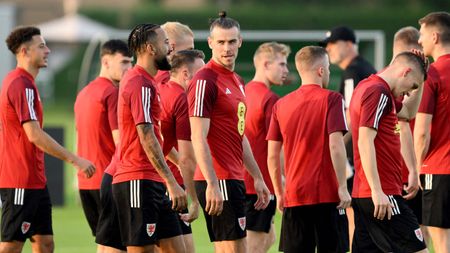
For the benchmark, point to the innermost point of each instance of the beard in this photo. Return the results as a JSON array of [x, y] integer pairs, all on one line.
[[163, 63]]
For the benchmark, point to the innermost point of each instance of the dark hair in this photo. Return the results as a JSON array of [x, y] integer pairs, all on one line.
[[140, 35], [419, 62], [19, 36], [223, 22], [115, 46], [184, 57], [441, 20]]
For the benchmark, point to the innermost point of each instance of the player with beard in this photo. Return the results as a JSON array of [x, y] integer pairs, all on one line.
[[217, 110], [146, 215], [96, 124], [26, 211], [180, 38]]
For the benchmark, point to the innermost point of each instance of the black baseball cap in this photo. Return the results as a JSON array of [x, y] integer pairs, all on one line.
[[339, 33]]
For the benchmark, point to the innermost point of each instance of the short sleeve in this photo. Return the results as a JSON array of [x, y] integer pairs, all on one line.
[[375, 103], [181, 116], [274, 133], [268, 108], [202, 95], [24, 98], [141, 97], [111, 107], [336, 120], [428, 102]]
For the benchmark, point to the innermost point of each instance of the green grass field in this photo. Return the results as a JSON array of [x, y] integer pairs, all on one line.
[[72, 234]]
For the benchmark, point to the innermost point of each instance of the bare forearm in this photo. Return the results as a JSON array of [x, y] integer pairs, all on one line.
[[338, 158], [154, 153], [204, 159], [407, 146], [412, 102], [369, 164], [187, 168], [173, 156], [421, 145]]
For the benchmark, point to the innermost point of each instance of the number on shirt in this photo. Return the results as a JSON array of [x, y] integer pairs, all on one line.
[[241, 117]]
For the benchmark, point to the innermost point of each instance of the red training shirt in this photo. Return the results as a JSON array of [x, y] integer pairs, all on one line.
[[174, 120], [95, 118], [303, 121], [218, 94], [373, 106], [21, 162], [162, 76], [138, 104], [260, 100], [436, 101]]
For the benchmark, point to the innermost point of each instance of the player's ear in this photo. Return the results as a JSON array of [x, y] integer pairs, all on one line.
[[240, 41], [210, 41], [406, 71]]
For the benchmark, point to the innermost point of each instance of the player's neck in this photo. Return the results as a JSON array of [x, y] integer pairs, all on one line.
[[259, 77], [307, 80], [105, 75], [34, 71], [179, 82], [147, 64], [440, 51]]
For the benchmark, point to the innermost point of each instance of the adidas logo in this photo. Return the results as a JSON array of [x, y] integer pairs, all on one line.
[[227, 91]]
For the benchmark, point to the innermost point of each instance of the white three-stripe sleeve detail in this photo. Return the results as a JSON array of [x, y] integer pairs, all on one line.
[[29, 94], [343, 114], [146, 103], [380, 108], [199, 97]]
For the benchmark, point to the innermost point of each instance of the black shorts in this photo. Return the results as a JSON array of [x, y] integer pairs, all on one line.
[[416, 205], [259, 220], [25, 212], [400, 234], [323, 226], [436, 200], [145, 212], [90, 201], [108, 232], [230, 224], [185, 226]]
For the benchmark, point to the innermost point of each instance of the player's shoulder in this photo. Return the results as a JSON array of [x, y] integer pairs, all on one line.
[[206, 73]]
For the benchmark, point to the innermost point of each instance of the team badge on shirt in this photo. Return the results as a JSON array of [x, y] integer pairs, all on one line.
[[419, 235], [151, 229], [242, 222], [397, 129], [25, 227]]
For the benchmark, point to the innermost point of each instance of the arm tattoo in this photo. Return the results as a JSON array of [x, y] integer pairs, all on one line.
[[153, 149]]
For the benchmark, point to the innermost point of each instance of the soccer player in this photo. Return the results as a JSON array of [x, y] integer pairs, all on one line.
[[342, 47], [96, 124], [406, 39], [270, 62], [383, 221], [26, 211], [176, 130], [217, 109], [146, 216], [309, 124], [180, 38], [432, 131]]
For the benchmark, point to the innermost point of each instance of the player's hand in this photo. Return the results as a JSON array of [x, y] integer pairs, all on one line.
[[280, 203], [423, 57], [193, 212], [382, 206], [344, 197], [178, 197], [84, 166], [413, 186], [263, 194], [214, 199]]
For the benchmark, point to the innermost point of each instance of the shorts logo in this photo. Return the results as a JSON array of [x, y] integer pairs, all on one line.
[[242, 222], [419, 235], [187, 223], [25, 227], [151, 229]]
